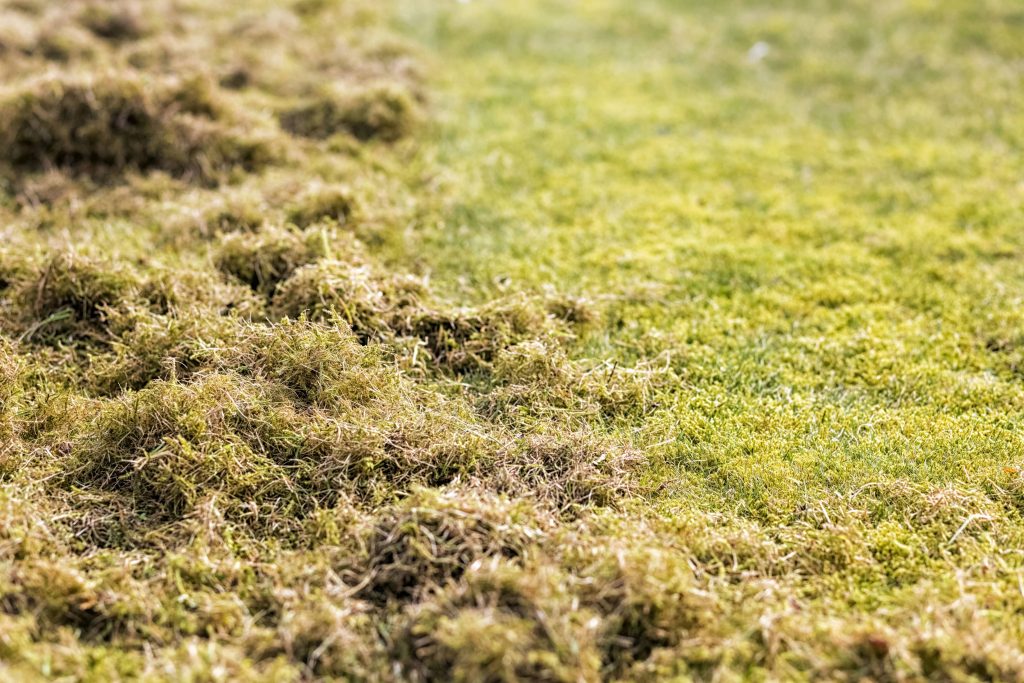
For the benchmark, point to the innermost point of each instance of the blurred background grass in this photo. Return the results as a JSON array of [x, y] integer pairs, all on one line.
[[812, 209]]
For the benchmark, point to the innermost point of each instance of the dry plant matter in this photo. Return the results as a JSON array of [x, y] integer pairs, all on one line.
[[256, 441], [244, 435]]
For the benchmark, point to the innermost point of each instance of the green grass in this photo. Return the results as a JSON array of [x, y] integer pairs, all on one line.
[[553, 340], [825, 243]]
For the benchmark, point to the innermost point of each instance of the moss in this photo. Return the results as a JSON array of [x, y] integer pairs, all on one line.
[[17, 33], [105, 124], [648, 598], [12, 370], [383, 112], [350, 290], [28, 528], [265, 259], [335, 204], [275, 408], [431, 539], [468, 339], [72, 295], [331, 641], [503, 623], [65, 43], [171, 444], [568, 470], [114, 21], [477, 644]]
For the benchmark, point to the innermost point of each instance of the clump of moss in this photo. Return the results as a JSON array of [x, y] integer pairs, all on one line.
[[536, 377], [11, 371], [350, 290], [233, 214], [105, 124], [383, 112], [330, 640], [399, 309], [332, 203], [347, 392], [265, 259], [48, 190], [26, 523], [117, 22], [567, 471], [171, 444], [60, 595], [503, 622], [65, 42], [431, 538], [647, 596], [469, 339], [157, 346], [17, 33], [290, 416], [72, 295]]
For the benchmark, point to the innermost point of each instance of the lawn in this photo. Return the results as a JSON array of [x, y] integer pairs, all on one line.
[[811, 212], [551, 340]]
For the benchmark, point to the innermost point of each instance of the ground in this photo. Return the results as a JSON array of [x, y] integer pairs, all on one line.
[[498, 341]]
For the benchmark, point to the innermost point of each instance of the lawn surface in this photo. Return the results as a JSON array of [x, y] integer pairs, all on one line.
[[545, 340], [812, 211]]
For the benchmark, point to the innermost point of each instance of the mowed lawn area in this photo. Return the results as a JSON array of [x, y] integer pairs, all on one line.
[[488, 341], [811, 212]]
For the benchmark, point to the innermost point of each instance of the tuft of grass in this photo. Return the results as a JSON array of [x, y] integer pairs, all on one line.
[[384, 112], [431, 539], [105, 124], [319, 204], [117, 22], [71, 295], [266, 258]]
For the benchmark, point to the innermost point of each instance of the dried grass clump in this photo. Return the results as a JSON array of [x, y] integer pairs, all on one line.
[[433, 537], [567, 471], [322, 365], [264, 259], [153, 346], [333, 203], [536, 377], [171, 444], [581, 605], [464, 340], [230, 213], [362, 426], [10, 372], [351, 291], [646, 594], [383, 111], [27, 526], [66, 42], [182, 292], [329, 640], [102, 125], [399, 310], [18, 33], [61, 595], [287, 417], [72, 295], [502, 623], [12, 368], [119, 21]]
